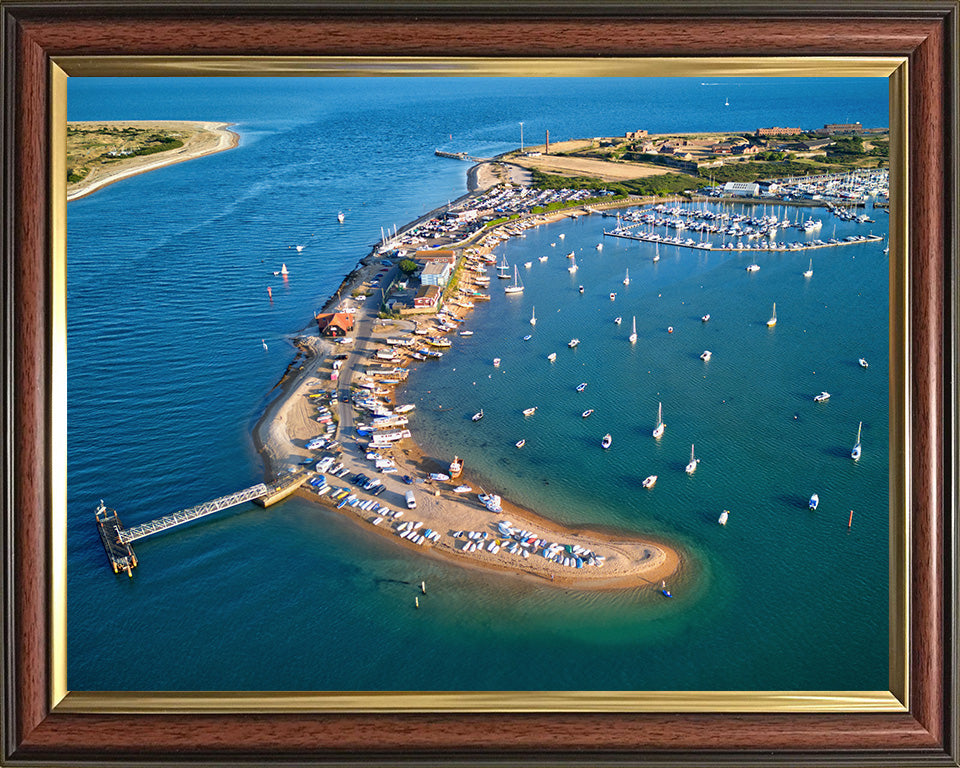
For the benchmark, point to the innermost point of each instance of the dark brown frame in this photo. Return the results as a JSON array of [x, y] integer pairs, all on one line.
[[926, 32]]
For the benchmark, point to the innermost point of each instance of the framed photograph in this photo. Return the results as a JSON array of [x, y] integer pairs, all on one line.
[[678, 489]]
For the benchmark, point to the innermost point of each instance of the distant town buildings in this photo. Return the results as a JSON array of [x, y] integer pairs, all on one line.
[[777, 131], [634, 135], [841, 128]]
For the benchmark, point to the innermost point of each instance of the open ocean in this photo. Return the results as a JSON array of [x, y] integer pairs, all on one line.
[[167, 305]]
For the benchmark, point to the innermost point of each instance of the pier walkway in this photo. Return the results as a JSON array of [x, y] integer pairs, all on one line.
[[117, 539], [461, 156]]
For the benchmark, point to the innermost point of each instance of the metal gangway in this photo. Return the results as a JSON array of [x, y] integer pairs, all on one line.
[[128, 535]]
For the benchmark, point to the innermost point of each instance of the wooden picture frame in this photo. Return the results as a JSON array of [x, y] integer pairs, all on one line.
[[35, 732]]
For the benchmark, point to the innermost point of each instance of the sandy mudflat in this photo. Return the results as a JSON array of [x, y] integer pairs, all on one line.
[[204, 139], [291, 420]]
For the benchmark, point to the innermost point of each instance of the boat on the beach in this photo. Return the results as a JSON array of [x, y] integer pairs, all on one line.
[[607, 440], [773, 318], [478, 415], [809, 272], [692, 466], [822, 397], [855, 453], [573, 343], [439, 477], [706, 355], [529, 411], [462, 489], [723, 517], [658, 430], [864, 363], [552, 356], [533, 316], [650, 481], [456, 467], [814, 501], [582, 386], [587, 412], [626, 280], [517, 286], [520, 443], [633, 334]]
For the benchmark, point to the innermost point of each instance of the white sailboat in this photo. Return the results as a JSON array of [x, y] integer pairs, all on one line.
[[656, 253], [773, 318], [283, 270], [533, 316], [692, 466], [503, 269], [855, 453], [626, 280], [264, 343], [633, 333], [658, 430], [340, 217], [573, 266], [809, 272], [517, 286]]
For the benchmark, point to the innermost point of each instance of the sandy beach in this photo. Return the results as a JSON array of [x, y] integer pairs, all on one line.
[[205, 138], [291, 421]]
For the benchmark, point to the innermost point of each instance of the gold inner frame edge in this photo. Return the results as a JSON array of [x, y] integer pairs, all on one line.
[[130, 702]]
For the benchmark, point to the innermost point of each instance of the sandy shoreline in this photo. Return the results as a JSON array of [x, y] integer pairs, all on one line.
[[290, 421], [208, 139]]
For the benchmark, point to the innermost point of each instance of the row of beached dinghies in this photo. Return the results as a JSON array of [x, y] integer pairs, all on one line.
[[526, 543]]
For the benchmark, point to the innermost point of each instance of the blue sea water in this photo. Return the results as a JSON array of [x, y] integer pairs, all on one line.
[[167, 305]]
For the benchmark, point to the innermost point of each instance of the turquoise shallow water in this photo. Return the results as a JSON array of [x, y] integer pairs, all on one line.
[[166, 308]]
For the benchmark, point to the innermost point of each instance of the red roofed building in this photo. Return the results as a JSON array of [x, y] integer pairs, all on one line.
[[335, 323]]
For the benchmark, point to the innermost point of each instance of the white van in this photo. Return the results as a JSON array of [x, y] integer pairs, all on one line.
[[411, 500]]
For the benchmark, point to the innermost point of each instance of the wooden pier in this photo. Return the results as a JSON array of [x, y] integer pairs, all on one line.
[[117, 539]]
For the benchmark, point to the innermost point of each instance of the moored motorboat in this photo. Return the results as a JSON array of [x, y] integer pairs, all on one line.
[[607, 440], [617, 320], [582, 386], [753, 268], [478, 415], [587, 412], [552, 356], [496, 362], [529, 411], [613, 296], [864, 363], [723, 517], [822, 397], [705, 318], [650, 481], [573, 343], [521, 443], [706, 355], [456, 467], [814, 501]]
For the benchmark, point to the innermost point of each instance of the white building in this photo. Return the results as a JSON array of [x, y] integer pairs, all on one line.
[[436, 273], [741, 188]]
